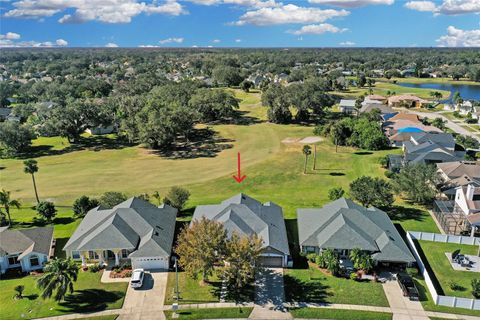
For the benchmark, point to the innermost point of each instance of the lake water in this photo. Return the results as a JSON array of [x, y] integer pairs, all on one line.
[[467, 91]]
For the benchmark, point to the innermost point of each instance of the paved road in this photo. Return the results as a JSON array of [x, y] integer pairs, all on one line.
[[450, 124]]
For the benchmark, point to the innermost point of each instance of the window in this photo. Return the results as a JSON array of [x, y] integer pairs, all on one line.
[[92, 255], [34, 261], [75, 254], [124, 253], [13, 260]]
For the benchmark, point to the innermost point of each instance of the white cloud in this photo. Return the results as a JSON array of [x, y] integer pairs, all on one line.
[[238, 40], [347, 43], [61, 43], [460, 38], [352, 3], [10, 36], [148, 46], [9, 43], [244, 3], [171, 40], [216, 41], [110, 11], [421, 5], [289, 13], [317, 29], [111, 45], [447, 7]]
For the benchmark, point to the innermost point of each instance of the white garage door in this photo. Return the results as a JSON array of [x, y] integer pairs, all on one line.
[[150, 263]]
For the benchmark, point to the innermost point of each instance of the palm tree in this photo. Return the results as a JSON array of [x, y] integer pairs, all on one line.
[[31, 166], [355, 256], [59, 275], [19, 291], [307, 150], [6, 203]]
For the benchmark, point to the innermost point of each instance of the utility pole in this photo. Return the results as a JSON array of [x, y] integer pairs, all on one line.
[[314, 156]]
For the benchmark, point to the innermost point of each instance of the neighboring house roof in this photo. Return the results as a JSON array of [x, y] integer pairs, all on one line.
[[458, 169], [405, 97], [347, 103], [375, 106], [24, 241], [247, 216], [343, 224], [430, 146], [5, 112], [375, 97], [134, 224], [405, 116], [389, 116]]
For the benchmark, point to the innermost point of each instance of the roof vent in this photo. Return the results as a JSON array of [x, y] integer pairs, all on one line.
[[158, 227]]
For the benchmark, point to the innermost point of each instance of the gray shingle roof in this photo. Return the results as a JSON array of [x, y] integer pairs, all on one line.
[[343, 224], [26, 240], [134, 224], [248, 216]]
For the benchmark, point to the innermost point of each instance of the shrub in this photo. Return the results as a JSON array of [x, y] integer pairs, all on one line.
[[413, 272], [177, 197], [83, 204], [476, 288], [46, 210], [19, 291], [312, 257], [389, 174], [111, 198], [128, 273], [384, 162], [454, 286], [95, 268], [336, 193], [353, 276]]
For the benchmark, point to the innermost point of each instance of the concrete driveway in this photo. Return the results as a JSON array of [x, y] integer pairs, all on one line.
[[146, 302], [269, 295], [402, 307]]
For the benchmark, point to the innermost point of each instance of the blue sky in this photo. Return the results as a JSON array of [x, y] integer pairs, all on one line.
[[240, 23]]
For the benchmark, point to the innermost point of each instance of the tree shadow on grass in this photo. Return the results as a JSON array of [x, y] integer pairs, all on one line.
[[363, 153], [297, 290], [93, 143], [89, 300], [243, 120], [400, 213], [203, 143]]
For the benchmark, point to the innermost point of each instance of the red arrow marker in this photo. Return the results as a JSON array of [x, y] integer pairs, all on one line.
[[239, 178]]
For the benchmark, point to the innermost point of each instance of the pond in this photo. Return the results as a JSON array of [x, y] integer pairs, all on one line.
[[467, 91]]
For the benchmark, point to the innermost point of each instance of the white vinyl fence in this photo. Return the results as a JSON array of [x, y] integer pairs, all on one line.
[[449, 301]]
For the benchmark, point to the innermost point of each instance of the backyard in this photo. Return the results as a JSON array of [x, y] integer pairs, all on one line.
[[434, 252], [90, 295]]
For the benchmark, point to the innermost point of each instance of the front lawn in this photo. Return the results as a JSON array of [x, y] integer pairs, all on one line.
[[338, 314], [312, 285], [211, 313], [191, 290], [434, 252], [90, 295]]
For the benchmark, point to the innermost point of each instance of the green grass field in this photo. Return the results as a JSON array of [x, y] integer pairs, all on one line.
[[312, 285], [338, 314], [217, 313], [191, 291], [438, 261], [90, 295]]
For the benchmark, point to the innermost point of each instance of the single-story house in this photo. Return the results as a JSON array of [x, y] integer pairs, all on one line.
[[347, 106], [247, 216], [25, 249], [368, 107], [343, 225], [406, 100], [134, 231]]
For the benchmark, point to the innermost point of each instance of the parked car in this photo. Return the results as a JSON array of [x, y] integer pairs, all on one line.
[[408, 286], [137, 278]]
